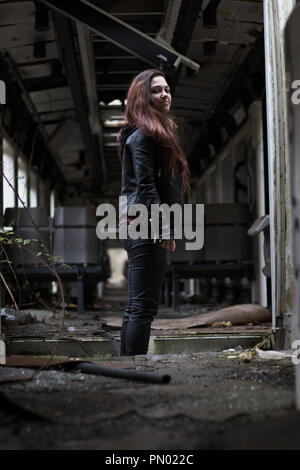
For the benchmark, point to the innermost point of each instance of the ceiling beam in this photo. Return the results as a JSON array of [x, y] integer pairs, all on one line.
[[88, 65], [71, 61], [122, 34], [183, 33], [138, 13]]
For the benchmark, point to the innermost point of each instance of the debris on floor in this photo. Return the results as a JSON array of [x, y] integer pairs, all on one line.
[[22, 317], [210, 394], [236, 315], [221, 324], [209, 399], [89, 367]]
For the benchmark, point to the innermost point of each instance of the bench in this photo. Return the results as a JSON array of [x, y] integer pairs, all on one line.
[[226, 251]]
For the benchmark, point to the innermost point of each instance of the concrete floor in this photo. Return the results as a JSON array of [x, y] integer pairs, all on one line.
[[213, 401], [225, 399]]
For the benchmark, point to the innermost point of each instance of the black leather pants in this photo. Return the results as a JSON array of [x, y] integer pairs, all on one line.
[[146, 266]]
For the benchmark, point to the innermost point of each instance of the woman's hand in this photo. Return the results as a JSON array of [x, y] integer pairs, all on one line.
[[169, 245]]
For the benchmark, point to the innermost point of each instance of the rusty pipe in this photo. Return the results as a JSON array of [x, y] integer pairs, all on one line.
[[96, 369]]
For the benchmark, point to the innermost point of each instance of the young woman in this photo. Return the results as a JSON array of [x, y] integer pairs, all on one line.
[[154, 171]]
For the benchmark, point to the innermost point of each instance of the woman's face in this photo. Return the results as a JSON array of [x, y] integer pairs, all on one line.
[[161, 94]]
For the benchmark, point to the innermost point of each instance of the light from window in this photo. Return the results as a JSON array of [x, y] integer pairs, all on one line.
[[52, 203], [8, 170], [22, 182], [33, 189]]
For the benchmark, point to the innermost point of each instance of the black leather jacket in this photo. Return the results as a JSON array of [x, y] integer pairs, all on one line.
[[144, 179]]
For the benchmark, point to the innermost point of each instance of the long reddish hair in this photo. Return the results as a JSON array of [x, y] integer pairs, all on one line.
[[141, 112]]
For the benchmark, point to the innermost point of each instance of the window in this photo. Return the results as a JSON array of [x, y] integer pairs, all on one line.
[[52, 203], [8, 169], [33, 189], [22, 182], [10, 198]]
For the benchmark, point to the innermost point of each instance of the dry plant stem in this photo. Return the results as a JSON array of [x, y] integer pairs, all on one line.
[[54, 271], [15, 277], [9, 291]]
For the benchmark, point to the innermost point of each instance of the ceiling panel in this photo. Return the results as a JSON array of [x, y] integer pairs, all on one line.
[[22, 35], [12, 13], [44, 96], [25, 54]]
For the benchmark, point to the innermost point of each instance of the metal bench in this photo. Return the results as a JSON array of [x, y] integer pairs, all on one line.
[[226, 251], [70, 238]]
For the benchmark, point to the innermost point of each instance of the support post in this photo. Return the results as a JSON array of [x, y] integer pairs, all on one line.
[[292, 36], [80, 291], [2, 344], [275, 15], [260, 288]]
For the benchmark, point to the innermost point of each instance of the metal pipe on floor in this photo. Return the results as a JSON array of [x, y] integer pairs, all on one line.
[[121, 373]]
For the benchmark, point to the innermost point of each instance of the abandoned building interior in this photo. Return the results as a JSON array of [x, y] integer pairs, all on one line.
[[66, 67]]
